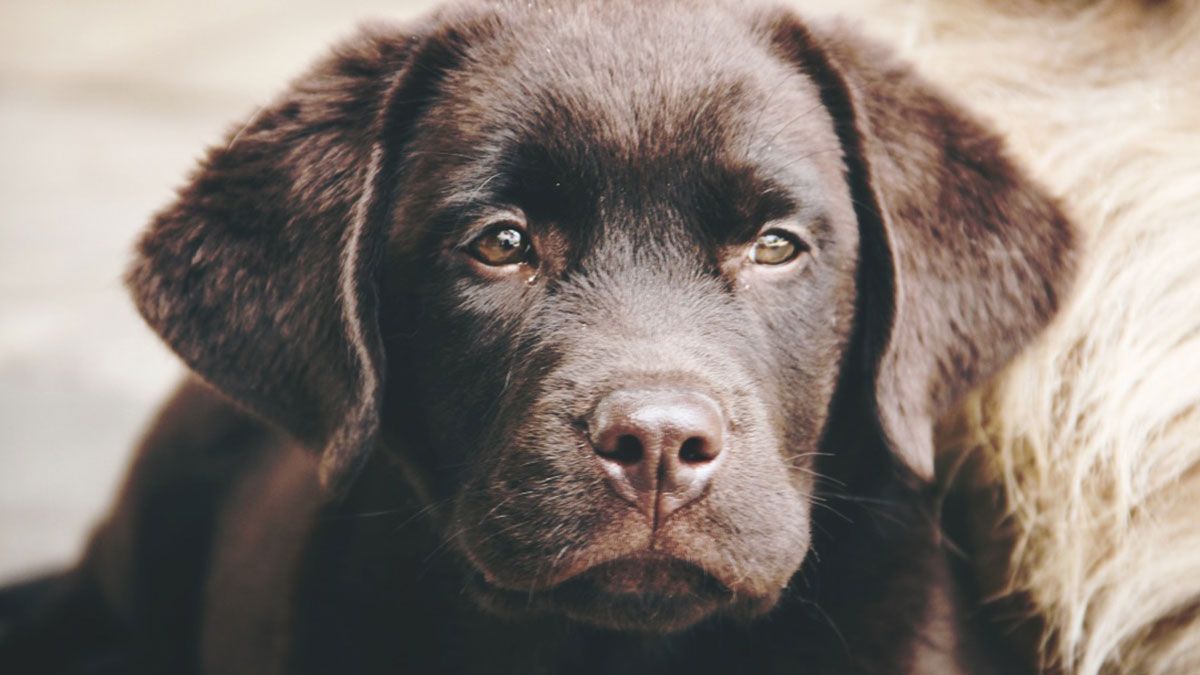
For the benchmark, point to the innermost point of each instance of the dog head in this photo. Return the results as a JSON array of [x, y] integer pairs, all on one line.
[[601, 269]]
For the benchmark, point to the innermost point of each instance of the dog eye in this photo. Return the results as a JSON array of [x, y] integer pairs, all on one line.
[[775, 247], [505, 244]]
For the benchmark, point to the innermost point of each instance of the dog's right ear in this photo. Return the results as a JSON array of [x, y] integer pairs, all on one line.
[[262, 274], [964, 258]]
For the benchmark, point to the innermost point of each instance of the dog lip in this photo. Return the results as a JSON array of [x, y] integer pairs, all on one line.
[[646, 573]]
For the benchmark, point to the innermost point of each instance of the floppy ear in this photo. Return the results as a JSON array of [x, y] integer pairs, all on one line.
[[963, 258], [262, 275]]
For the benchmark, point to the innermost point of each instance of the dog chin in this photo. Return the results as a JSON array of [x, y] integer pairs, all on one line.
[[650, 594]]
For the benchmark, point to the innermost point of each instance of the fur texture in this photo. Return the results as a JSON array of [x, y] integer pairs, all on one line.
[[324, 269], [1082, 461]]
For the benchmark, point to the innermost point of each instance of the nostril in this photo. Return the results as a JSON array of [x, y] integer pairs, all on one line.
[[628, 450], [696, 450], [658, 449]]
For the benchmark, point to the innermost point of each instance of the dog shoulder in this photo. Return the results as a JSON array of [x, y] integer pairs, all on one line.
[[202, 475]]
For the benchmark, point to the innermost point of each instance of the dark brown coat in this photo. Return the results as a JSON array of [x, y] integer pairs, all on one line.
[[397, 471]]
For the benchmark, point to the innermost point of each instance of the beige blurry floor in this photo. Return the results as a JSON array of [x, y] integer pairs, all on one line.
[[103, 108]]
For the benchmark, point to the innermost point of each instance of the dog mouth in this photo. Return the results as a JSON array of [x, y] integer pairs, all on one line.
[[647, 593]]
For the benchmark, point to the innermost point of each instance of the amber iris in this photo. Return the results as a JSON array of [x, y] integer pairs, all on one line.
[[775, 248], [501, 245]]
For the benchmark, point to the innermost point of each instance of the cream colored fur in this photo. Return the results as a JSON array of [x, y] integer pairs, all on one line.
[[1093, 437]]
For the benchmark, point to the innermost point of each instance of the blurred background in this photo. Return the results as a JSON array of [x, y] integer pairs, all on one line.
[[104, 107]]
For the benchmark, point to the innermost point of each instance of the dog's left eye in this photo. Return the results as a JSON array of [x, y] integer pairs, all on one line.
[[505, 244], [775, 247]]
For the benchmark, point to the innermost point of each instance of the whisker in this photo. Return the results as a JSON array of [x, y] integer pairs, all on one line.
[[789, 123]]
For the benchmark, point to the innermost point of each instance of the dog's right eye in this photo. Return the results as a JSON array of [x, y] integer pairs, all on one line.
[[504, 244]]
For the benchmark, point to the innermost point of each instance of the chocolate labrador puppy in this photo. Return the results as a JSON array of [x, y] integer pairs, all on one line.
[[588, 337]]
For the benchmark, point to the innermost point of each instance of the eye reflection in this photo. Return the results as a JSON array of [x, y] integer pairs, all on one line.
[[501, 245]]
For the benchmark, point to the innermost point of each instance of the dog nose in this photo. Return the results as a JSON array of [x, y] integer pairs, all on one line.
[[660, 449]]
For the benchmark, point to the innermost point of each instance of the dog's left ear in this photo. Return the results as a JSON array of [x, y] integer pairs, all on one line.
[[262, 275], [963, 258]]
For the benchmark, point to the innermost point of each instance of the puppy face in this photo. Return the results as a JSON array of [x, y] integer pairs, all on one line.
[[597, 274], [634, 297]]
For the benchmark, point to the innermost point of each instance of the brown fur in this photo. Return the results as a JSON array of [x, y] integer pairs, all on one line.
[[313, 273]]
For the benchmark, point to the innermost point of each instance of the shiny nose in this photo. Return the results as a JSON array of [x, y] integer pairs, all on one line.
[[660, 449]]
